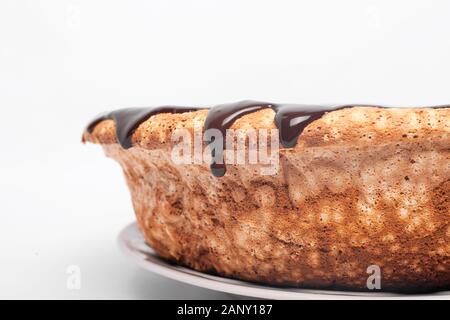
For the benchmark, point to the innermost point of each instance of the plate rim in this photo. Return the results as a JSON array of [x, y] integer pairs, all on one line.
[[189, 276]]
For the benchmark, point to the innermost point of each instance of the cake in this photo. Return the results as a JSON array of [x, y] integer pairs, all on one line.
[[354, 187]]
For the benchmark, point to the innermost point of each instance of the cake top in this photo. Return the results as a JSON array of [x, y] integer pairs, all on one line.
[[299, 126]]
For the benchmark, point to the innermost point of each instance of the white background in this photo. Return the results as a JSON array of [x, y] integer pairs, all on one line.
[[63, 61]]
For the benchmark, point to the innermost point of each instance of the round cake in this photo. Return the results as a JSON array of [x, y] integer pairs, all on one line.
[[352, 197]]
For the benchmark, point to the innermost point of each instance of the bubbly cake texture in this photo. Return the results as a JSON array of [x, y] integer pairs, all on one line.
[[362, 186]]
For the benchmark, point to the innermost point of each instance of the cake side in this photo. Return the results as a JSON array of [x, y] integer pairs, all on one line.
[[301, 227]]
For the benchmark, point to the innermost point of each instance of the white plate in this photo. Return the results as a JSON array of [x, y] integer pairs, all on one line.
[[134, 246]]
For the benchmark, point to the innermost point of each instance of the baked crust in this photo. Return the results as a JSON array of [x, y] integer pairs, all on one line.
[[363, 186]]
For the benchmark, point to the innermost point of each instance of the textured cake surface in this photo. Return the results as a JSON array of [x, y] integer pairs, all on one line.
[[362, 187]]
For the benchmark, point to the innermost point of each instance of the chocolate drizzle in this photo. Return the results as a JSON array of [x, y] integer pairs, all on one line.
[[128, 120], [290, 119], [222, 117]]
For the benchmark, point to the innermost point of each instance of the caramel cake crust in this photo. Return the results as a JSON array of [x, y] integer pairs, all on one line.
[[360, 186]]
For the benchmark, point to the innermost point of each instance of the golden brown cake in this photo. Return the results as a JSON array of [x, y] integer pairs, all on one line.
[[362, 186]]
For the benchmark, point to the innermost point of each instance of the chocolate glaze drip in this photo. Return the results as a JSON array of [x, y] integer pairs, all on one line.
[[290, 119], [128, 120], [221, 117]]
